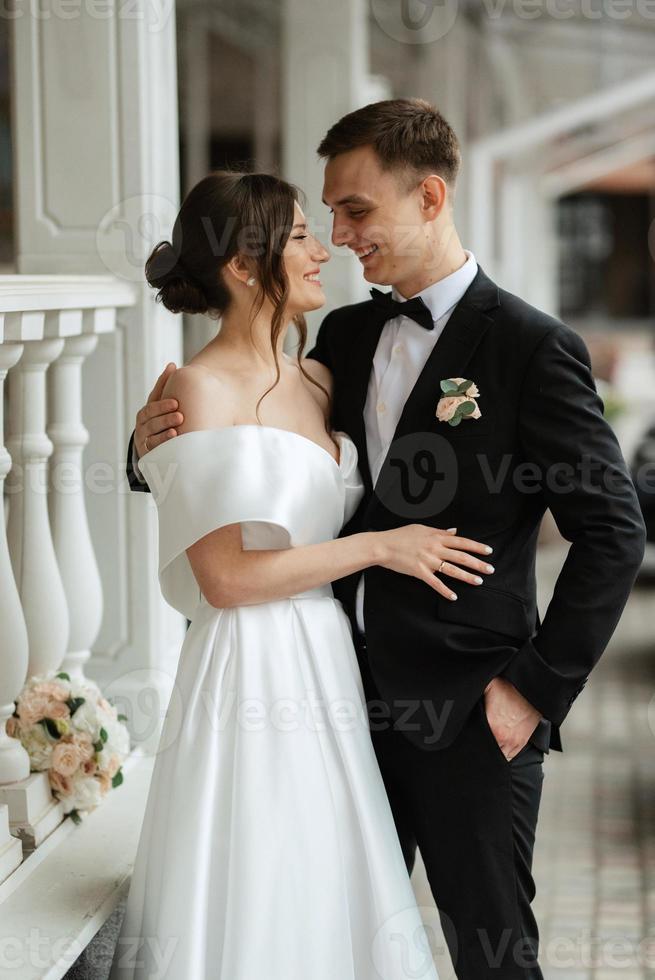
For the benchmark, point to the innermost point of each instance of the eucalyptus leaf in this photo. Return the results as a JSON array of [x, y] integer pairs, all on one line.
[[466, 408], [74, 704], [456, 419], [463, 387], [50, 727], [449, 387]]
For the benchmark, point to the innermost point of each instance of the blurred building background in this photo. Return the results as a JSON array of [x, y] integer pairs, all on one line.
[[108, 115]]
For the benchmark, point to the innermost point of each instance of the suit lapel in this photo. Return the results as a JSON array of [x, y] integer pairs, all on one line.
[[361, 351], [449, 358], [451, 354]]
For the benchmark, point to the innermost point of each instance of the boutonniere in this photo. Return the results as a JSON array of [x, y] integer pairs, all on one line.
[[458, 401]]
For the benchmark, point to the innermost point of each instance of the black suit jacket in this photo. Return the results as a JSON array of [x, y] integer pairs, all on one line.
[[541, 442]]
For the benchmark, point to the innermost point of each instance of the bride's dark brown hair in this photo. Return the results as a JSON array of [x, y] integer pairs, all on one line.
[[226, 214]]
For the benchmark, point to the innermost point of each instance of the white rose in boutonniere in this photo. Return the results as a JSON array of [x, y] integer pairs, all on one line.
[[458, 401]]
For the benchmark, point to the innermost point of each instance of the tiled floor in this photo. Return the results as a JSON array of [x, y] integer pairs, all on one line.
[[595, 854]]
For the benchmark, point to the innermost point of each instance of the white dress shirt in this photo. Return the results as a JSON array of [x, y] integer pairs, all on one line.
[[403, 348], [135, 465]]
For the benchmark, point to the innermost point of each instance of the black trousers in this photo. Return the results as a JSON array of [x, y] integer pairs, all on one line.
[[473, 816]]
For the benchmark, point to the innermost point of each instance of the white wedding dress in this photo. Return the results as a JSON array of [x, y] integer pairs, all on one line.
[[268, 849]]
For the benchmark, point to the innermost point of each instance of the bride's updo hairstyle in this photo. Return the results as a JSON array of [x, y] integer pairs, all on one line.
[[229, 213]]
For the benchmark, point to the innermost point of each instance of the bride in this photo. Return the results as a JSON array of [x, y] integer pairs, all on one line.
[[268, 848]]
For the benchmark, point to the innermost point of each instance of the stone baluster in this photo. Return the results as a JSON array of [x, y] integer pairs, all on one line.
[[30, 540], [14, 760], [68, 518]]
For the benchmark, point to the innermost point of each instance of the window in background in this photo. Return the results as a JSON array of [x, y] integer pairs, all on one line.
[[229, 86], [229, 100], [606, 267]]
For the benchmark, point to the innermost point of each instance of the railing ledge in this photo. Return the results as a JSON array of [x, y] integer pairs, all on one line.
[[21, 294], [52, 906]]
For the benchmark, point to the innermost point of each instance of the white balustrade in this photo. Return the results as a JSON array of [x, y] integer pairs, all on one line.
[[50, 589]]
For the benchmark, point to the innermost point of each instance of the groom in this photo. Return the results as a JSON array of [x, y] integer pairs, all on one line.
[[464, 696]]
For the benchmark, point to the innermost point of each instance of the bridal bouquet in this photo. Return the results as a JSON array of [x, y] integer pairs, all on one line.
[[71, 731]]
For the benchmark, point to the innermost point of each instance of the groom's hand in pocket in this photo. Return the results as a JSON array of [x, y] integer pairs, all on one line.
[[511, 717]]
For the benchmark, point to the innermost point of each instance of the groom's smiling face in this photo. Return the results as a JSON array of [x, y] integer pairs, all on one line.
[[381, 215]]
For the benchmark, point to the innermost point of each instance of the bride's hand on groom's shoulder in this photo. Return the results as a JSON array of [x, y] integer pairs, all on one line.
[[427, 552], [511, 717], [157, 419]]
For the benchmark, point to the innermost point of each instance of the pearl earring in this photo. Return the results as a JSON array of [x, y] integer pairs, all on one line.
[[251, 281]]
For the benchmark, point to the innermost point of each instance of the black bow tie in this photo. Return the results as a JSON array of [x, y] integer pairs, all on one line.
[[415, 308]]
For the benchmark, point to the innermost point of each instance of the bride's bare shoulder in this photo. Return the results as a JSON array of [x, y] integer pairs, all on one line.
[[205, 398]]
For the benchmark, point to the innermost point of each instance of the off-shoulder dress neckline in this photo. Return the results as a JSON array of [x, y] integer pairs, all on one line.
[[253, 425]]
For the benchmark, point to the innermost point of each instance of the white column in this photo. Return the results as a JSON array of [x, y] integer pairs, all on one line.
[[97, 187], [321, 82], [28, 530], [70, 528]]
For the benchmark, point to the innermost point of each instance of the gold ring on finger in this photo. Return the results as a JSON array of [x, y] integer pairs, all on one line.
[[441, 565], [145, 443]]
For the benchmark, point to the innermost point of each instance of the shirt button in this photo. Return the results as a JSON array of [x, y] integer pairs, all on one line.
[[381, 407], [398, 349]]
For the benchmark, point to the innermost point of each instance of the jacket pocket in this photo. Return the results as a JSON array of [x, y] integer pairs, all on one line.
[[485, 607]]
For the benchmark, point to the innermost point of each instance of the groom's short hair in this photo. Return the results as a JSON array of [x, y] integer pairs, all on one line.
[[406, 134]]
